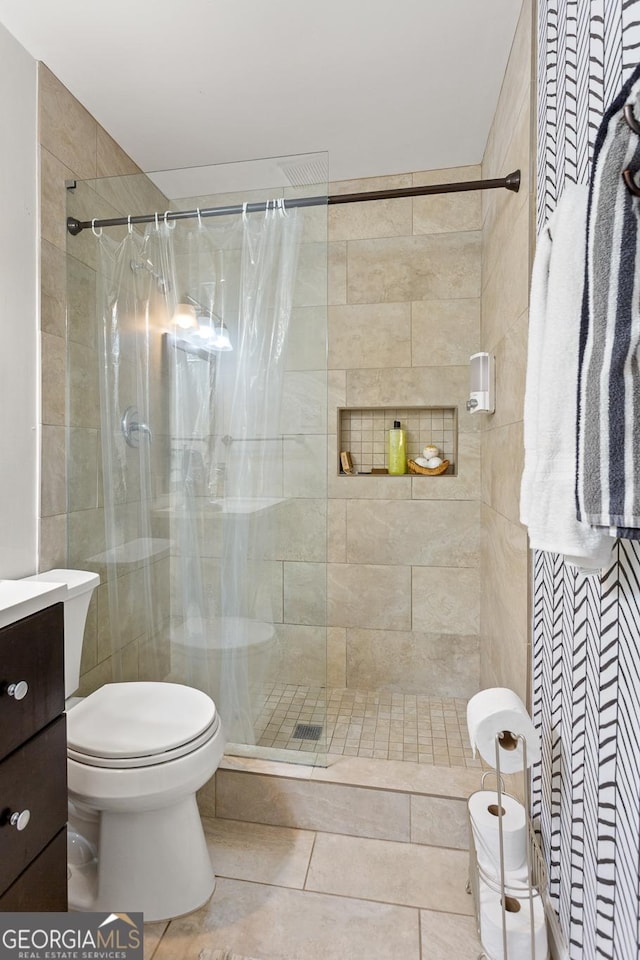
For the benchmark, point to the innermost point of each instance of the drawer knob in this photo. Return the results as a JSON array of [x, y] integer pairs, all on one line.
[[20, 820], [18, 690]]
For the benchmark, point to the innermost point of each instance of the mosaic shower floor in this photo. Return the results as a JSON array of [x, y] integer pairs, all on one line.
[[390, 726]]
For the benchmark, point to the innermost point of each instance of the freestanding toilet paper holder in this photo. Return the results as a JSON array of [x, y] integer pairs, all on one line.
[[536, 882]]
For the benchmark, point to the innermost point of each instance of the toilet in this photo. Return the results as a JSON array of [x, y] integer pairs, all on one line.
[[137, 753]]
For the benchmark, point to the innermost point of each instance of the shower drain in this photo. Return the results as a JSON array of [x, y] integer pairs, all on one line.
[[307, 731]]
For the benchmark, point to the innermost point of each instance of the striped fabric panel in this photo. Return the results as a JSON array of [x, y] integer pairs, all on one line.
[[627, 837], [630, 28], [586, 630]]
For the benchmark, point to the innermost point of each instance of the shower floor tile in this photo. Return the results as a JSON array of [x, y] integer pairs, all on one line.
[[355, 723]]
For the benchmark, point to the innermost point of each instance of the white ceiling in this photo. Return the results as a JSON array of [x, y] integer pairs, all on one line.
[[385, 86]]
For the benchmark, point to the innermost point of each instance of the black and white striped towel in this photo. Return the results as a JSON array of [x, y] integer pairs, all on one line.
[[608, 441]]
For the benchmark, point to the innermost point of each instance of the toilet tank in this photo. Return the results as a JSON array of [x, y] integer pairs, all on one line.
[[80, 587]]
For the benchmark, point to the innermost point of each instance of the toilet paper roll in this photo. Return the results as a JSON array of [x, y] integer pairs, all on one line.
[[485, 822], [501, 711], [518, 925]]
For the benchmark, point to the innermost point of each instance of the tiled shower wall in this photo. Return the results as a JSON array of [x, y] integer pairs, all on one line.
[[74, 146], [508, 231], [404, 317]]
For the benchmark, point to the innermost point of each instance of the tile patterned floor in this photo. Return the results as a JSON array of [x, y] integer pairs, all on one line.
[[285, 894], [389, 726]]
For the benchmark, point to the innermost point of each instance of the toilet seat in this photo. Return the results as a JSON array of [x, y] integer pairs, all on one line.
[[139, 724]]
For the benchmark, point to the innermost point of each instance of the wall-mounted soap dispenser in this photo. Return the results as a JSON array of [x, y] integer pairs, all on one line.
[[481, 383]]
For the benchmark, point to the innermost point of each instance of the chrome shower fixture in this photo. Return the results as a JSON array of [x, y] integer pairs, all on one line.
[[132, 427]]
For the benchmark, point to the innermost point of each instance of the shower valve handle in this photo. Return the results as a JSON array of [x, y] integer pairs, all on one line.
[[132, 427]]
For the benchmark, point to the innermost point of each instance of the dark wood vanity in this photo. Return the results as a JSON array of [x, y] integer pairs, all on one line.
[[33, 764]]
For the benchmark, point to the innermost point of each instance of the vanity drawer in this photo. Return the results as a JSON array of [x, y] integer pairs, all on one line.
[[43, 885], [31, 650], [33, 778]]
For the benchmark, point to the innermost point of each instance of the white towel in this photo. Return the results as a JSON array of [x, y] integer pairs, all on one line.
[[547, 496]]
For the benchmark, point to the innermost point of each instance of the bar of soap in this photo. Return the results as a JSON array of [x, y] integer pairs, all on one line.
[[434, 462]]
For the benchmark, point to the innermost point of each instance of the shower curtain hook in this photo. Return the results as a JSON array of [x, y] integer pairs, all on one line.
[[93, 229], [244, 212], [199, 217], [169, 226], [129, 227], [157, 224]]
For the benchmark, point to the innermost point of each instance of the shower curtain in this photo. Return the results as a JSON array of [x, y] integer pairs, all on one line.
[[192, 446]]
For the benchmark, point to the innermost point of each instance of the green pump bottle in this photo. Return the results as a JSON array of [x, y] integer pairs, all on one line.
[[397, 450]]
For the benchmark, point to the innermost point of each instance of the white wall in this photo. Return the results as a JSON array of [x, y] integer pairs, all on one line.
[[19, 365]]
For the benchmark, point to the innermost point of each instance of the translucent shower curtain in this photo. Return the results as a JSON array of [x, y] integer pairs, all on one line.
[[193, 475]]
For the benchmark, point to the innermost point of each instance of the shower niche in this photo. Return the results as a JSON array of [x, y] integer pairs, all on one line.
[[364, 433]]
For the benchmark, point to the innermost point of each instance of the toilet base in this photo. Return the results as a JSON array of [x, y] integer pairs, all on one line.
[[153, 862]]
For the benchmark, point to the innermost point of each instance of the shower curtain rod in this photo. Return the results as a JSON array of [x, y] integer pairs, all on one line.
[[510, 182]]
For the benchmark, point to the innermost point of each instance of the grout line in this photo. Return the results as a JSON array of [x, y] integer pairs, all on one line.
[[347, 896], [313, 847], [160, 938]]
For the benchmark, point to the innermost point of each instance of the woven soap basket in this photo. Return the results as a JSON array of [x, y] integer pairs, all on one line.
[[414, 467]]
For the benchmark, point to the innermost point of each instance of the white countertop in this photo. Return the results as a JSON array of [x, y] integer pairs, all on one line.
[[21, 598]]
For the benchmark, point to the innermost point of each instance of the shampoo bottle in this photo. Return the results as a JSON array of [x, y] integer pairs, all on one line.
[[397, 450]]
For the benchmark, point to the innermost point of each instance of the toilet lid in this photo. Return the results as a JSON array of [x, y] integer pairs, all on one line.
[[135, 720]]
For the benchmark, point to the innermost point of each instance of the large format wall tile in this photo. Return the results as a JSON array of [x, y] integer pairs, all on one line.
[[515, 86], [370, 335], [435, 665], [304, 466], [505, 293], [446, 599], [67, 130], [301, 531], [53, 289], [504, 601], [54, 474], [508, 244], [53, 199], [53, 379], [448, 212], [443, 533], [305, 593], [300, 655], [511, 365], [378, 218], [337, 272], [444, 332], [304, 402], [436, 386], [307, 338], [364, 595], [501, 487], [413, 268]]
